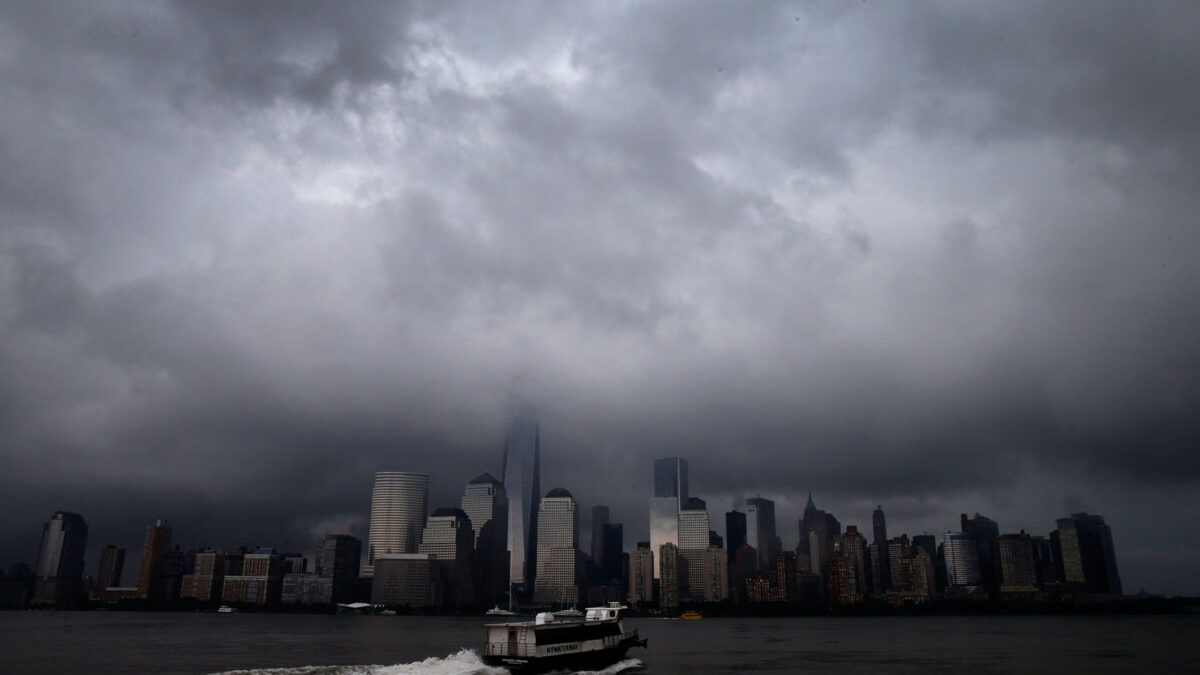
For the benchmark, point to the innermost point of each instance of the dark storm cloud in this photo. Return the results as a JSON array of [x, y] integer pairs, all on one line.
[[935, 257]]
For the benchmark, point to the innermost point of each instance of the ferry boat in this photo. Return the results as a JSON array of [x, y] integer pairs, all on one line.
[[691, 616], [549, 642]]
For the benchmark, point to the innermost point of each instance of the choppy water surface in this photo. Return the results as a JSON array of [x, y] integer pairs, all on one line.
[[126, 642]]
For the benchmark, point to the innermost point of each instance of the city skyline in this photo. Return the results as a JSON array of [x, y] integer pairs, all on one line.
[[939, 257], [1083, 551]]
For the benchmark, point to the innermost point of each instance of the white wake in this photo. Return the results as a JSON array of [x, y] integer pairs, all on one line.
[[463, 662]]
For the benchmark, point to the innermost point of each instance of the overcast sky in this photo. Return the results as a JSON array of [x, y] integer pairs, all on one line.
[[941, 257]]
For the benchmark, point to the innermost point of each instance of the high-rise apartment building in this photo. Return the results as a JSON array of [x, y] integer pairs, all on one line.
[[1087, 555], [670, 493], [449, 538], [112, 563], [854, 547], [59, 574], [879, 526], [641, 575], [897, 547], [1018, 569], [713, 582], [559, 559], [672, 573], [158, 542], [760, 532], [206, 583], [522, 484], [486, 504], [399, 502]]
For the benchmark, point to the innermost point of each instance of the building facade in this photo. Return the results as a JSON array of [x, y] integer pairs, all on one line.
[[559, 559], [693, 544], [486, 504], [760, 532], [672, 573], [449, 538], [158, 542], [961, 553], [522, 485], [879, 532], [407, 579], [1087, 556], [112, 563], [399, 502], [670, 493], [641, 575], [59, 575]]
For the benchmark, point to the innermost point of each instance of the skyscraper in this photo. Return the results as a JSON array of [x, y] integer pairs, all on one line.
[[693, 546], [1087, 555], [641, 574], [987, 535], [486, 504], [600, 516], [398, 505], [1018, 570], [735, 534], [558, 558], [158, 541], [670, 492], [672, 576], [961, 552], [818, 530], [338, 560], [612, 552], [853, 546], [59, 579], [522, 483], [879, 525], [760, 532], [112, 563], [449, 538]]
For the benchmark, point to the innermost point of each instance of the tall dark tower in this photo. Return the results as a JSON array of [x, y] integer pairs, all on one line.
[[987, 537], [735, 534], [1087, 555], [670, 494], [522, 484], [59, 579], [158, 541], [112, 562], [879, 523]]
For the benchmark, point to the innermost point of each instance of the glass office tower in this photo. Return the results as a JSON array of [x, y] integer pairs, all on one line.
[[522, 478], [670, 493], [399, 503]]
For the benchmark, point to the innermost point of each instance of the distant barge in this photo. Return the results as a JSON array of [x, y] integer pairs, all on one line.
[[594, 640]]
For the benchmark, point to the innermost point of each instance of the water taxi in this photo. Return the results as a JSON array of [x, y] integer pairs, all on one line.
[[594, 640]]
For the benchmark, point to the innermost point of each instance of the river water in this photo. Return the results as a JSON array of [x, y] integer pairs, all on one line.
[[135, 642]]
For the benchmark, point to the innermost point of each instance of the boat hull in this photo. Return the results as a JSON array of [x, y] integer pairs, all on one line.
[[590, 660]]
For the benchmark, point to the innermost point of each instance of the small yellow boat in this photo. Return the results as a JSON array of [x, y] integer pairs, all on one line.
[[691, 615]]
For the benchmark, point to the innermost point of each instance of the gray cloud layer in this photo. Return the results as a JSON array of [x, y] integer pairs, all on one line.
[[939, 257]]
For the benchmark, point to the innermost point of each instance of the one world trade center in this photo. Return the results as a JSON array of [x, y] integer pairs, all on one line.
[[522, 477]]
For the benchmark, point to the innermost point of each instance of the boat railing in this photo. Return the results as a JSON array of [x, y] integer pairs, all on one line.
[[501, 649]]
